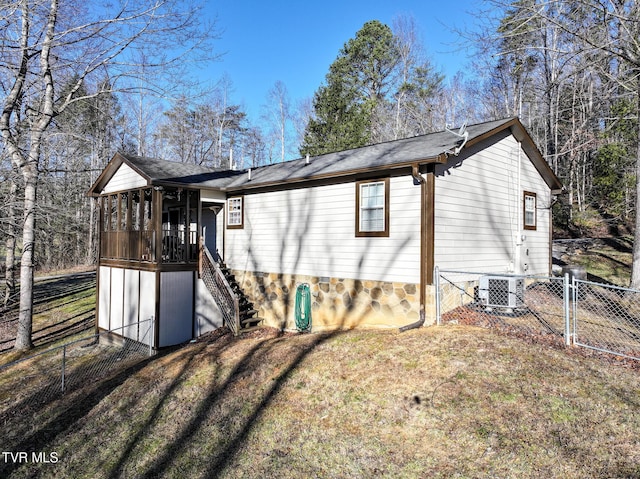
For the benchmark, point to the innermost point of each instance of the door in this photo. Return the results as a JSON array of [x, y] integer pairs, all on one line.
[[209, 225]]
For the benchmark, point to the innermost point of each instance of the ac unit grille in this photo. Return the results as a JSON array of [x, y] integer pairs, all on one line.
[[501, 291]]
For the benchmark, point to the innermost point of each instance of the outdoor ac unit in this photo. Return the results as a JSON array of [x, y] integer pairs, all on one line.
[[501, 291]]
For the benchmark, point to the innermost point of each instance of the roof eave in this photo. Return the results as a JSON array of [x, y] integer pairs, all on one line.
[[346, 174], [520, 133]]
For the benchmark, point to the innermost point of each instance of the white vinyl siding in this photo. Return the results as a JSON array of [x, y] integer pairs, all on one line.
[[104, 299], [131, 306], [126, 297], [116, 307], [125, 178], [310, 231], [479, 212], [207, 314], [147, 305], [537, 243]]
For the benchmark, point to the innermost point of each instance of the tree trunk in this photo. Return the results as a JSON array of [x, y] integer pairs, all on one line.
[[10, 245], [23, 337], [29, 168]]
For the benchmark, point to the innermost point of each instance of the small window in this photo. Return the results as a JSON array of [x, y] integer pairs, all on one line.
[[235, 212], [530, 211], [372, 212]]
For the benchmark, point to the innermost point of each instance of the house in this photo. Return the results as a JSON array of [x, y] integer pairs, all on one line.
[[363, 228]]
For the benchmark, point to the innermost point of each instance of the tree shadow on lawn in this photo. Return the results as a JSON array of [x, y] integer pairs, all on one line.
[[83, 321], [46, 295], [620, 244], [69, 409], [46, 292], [264, 357], [233, 400], [255, 356], [43, 435]]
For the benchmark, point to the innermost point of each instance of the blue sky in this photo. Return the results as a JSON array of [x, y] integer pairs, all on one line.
[[295, 42]]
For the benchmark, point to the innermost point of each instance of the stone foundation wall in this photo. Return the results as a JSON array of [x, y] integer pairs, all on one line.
[[337, 303]]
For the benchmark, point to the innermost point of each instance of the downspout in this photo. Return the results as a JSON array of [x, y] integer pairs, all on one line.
[[419, 179]]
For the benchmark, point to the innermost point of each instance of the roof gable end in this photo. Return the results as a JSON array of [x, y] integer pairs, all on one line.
[[119, 174], [514, 127]]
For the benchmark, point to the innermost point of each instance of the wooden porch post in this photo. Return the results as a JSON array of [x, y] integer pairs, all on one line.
[[156, 215]]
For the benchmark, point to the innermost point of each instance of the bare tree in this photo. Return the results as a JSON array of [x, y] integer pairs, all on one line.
[[277, 115], [10, 232], [418, 84], [578, 52], [302, 112], [46, 44]]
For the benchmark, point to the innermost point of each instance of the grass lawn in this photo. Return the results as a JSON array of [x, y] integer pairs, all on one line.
[[436, 402], [606, 260], [450, 401], [64, 309]]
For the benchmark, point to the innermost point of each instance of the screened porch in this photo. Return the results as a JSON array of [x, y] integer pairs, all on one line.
[[148, 227]]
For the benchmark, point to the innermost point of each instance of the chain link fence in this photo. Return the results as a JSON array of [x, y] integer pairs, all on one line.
[[606, 318], [45, 376], [526, 304], [578, 312]]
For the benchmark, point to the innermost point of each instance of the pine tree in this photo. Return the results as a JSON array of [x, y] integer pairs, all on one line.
[[356, 85]]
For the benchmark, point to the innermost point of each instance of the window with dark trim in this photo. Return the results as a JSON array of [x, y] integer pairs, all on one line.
[[235, 212], [530, 211], [372, 208]]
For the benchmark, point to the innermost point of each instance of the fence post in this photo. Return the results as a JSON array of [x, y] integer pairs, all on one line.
[[574, 299], [436, 284], [567, 320], [64, 360]]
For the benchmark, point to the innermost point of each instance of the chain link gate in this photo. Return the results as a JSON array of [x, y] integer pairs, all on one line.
[[593, 315], [606, 318]]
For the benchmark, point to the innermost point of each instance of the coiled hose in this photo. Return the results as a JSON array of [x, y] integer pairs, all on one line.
[[303, 308]]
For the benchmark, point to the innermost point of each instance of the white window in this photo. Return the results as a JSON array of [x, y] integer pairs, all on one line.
[[530, 210], [235, 213], [373, 208]]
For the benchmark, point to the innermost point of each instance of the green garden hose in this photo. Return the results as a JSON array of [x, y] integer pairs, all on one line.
[[303, 308]]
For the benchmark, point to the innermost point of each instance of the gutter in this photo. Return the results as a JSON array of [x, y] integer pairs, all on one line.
[[419, 179], [398, 169]]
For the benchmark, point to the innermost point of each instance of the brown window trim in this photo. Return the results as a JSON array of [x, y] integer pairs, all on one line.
[[383, 233], [228, 210], [534, 226]]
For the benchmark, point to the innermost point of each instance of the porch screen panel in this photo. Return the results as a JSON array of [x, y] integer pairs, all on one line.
[[127, 226]]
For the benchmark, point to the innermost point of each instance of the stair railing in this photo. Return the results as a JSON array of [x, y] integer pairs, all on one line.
[[221, 291]]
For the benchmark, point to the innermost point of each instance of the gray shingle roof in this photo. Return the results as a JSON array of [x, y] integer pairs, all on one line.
[[388, 155], [163, 171], [378, 156]]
